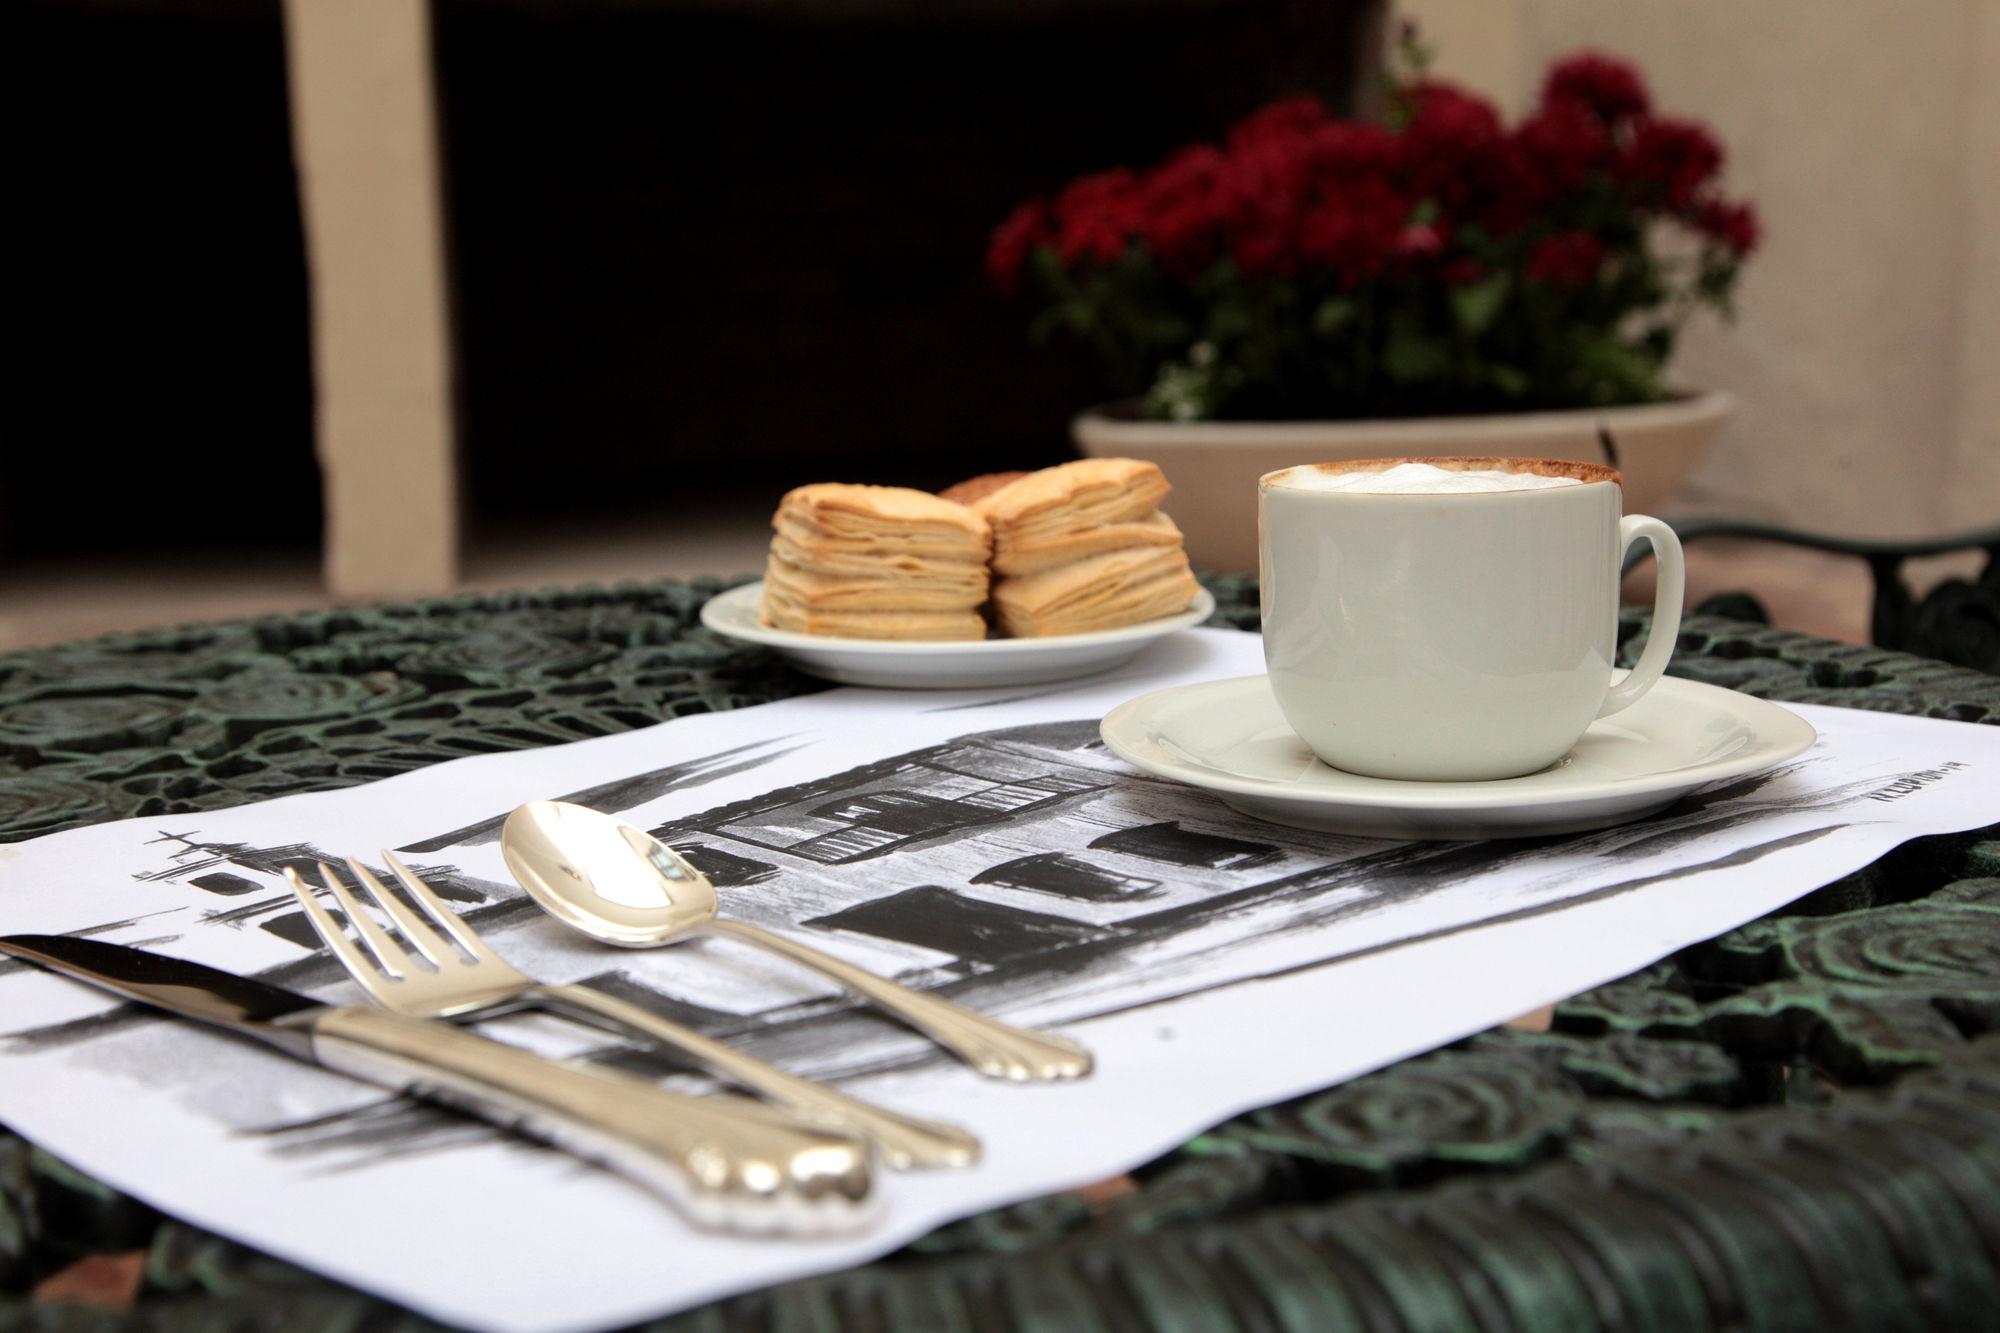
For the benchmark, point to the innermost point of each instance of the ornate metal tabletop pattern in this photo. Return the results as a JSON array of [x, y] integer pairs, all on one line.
[[1795, 1125]]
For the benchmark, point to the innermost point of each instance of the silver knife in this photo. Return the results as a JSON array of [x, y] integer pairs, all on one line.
[[726, 1162]]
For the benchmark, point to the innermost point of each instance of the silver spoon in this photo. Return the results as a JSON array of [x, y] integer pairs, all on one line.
[[622, 885]]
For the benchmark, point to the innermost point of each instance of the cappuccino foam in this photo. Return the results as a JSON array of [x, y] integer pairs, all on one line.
[[1422, 479]]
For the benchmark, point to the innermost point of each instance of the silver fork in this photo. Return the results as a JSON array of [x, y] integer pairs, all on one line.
[[480, 984]]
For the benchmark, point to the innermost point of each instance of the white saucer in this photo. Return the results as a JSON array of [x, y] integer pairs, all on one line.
[[899, 664], [1228, 737]]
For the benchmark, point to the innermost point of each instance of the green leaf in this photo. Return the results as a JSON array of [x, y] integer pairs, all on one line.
[[1413, 354], [1231, 318], [1658, 342], [1507, 380], [1617, 373], [1048, 267], [1043, 326], [1334, 314], [1475, 304], [1179, 393]]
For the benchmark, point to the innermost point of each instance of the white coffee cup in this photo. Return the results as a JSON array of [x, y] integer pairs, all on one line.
[[1453, 637]]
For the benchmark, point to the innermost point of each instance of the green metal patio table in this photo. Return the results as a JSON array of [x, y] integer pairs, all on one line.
[[1794, 1125]]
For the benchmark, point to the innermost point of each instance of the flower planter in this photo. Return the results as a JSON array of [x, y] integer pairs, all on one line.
[[1214, 465]]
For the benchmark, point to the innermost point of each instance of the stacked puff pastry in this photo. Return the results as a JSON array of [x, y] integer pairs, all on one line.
[[876, 562], [1083, 547]]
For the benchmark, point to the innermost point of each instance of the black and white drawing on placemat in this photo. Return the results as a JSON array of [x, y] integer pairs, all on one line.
[[1024, 871]]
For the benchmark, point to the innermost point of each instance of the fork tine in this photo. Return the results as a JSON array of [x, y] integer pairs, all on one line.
[[388, 954], [427, 941], [435, 908], [330, 933]]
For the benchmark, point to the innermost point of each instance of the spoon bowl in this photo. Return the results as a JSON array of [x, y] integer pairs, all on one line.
[[601, 876]]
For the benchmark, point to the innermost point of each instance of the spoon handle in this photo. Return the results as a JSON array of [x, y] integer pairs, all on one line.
[[995, 1049], [905, 1142]]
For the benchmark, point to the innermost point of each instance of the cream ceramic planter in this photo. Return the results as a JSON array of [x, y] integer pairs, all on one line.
[[1214, 465]]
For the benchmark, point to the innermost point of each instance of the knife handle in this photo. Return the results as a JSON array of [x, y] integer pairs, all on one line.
[[728, 1163]]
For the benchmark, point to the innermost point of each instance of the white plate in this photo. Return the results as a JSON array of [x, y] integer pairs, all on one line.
[[900, 664], [1228, 737]]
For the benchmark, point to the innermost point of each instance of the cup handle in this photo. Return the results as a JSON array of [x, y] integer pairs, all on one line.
[[1667, 596]]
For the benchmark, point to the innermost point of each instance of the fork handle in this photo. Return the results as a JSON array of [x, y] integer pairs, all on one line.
[[904, 1141], [994, 1048], [727, 1163]]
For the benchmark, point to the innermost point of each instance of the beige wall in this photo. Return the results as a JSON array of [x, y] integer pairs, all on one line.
[[365, 141], [1866, 358]]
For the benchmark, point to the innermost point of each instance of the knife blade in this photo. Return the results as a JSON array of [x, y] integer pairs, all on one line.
[[726, 1162]]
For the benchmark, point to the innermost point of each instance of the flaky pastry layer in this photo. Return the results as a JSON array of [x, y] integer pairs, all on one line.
[[1034, 555], [1106, 591], [1073, 497]]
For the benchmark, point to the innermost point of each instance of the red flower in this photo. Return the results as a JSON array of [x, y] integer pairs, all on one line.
[[1671, 160], [1318, 196], [1515, 190], [1415, 243], [1291, 118], [1735, 225], [1559, 208], [1557, 149], [1565, 259], [1025, 228], [1601, 84], [1460, 270], [1449, 147], [1268, 174], [1344, 149], [1354, 230], [1096, 215], [1263, 244], [1183, 206], [1449, 114]]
